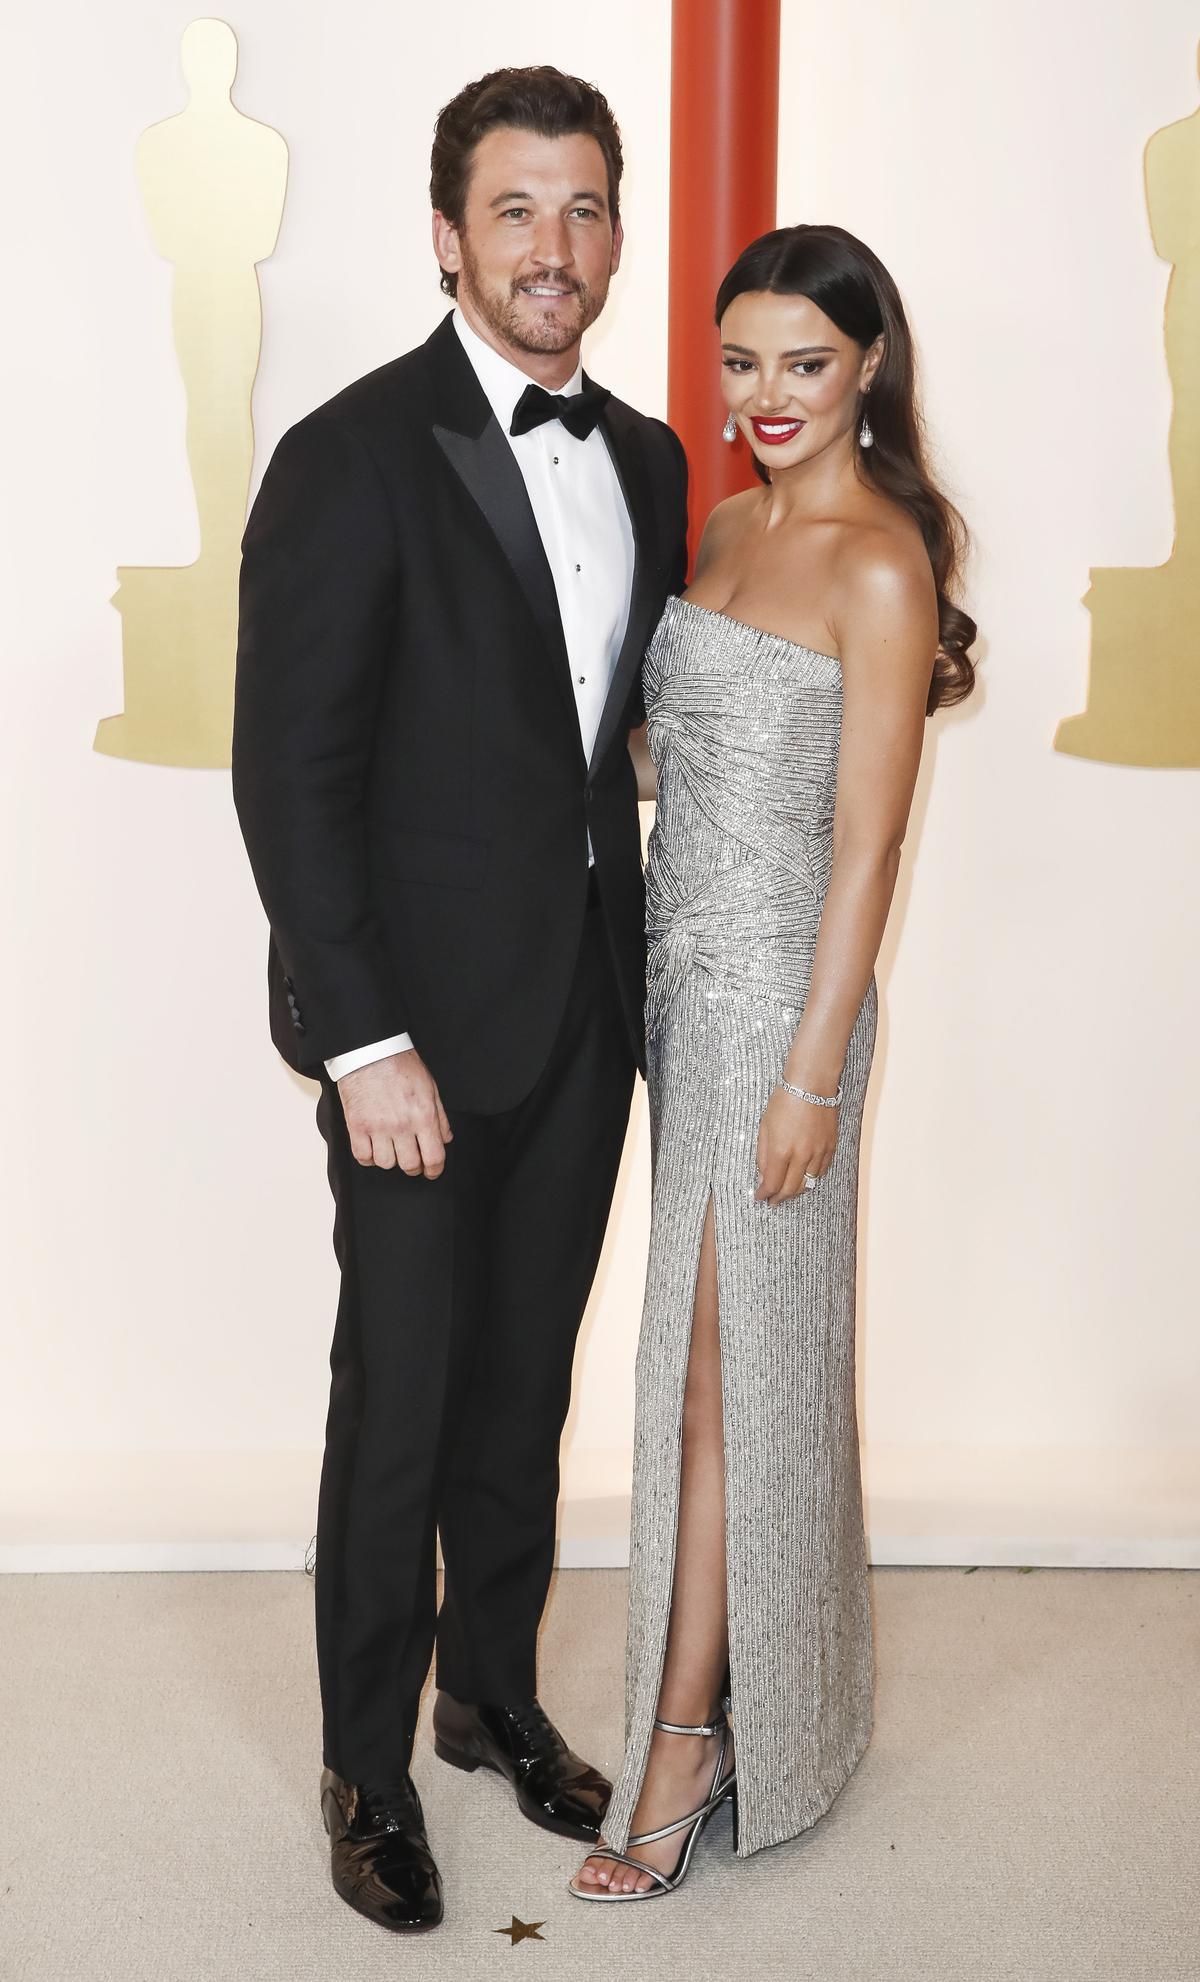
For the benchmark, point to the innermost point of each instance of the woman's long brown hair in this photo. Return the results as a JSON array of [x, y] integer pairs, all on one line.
[[850, 284]]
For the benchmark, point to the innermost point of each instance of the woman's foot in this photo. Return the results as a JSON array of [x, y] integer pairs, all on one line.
[[678, 1778]]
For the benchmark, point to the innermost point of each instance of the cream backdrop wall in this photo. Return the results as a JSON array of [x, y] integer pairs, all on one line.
[[1030, 1379]]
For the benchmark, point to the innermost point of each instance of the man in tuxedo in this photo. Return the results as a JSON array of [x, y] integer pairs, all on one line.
[[449, 578]]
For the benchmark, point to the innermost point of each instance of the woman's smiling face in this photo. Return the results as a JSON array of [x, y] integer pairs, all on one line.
[[791, 378]]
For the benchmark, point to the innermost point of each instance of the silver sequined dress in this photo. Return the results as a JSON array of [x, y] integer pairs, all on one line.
[[744, 727]]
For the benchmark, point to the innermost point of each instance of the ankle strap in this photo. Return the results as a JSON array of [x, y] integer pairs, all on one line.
[[673, 1727]]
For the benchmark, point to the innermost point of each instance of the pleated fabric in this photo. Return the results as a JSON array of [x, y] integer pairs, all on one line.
[[744, 727]]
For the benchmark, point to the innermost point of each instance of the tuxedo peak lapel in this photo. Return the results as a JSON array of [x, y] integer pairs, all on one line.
[[625, 441], [458, 400], [471, 439]]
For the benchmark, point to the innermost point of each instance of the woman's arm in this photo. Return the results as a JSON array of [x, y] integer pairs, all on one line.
[[643, 764], [886, 628]]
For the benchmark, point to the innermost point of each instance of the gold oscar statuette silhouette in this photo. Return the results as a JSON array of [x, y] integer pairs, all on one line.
[[1143, 703], [212, 183]]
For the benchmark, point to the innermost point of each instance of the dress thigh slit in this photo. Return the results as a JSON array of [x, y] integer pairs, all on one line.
[[655, 1517]]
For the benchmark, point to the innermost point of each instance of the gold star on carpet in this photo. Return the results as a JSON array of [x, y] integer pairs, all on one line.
[[521, 1930]]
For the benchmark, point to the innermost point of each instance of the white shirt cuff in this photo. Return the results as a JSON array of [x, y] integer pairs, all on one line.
[[362, 1056]]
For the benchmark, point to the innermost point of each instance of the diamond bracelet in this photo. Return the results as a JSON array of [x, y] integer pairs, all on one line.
[[818, 1100]]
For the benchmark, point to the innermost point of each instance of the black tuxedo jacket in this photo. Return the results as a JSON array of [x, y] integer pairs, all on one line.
[[407, 764]]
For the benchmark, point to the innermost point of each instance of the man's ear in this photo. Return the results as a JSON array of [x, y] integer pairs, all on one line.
[[446, 243], [618, 244]]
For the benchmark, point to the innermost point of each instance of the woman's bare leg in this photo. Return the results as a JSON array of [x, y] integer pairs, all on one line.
[[680, 1767]]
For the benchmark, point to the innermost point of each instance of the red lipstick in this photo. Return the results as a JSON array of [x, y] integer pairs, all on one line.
[[777, 433]]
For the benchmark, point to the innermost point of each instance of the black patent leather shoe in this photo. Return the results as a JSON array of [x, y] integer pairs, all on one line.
[[379, 1856], [555, 1787]]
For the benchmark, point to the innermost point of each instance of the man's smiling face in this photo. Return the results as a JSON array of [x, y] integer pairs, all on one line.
[[537, 247]]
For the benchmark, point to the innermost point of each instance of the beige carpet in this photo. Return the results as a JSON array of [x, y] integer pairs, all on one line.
[[1029, 1807]]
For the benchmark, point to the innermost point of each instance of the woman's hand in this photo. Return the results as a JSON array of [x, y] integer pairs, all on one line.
[[794, 1138]]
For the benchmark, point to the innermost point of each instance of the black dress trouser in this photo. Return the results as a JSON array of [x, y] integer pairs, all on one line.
[[461, 1299]]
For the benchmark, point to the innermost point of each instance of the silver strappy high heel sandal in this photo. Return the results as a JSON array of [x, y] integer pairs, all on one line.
[[724, 1790]]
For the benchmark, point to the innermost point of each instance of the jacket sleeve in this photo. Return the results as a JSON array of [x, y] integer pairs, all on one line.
[[679, 540], [675, 525], [318, 600]]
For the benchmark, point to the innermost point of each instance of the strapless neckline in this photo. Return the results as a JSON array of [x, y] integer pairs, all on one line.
[[764, 632]]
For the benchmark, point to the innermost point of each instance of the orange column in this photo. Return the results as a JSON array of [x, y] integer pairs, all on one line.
[[724, 160]]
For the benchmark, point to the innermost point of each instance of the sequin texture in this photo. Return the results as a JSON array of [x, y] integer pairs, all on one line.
[[744, 727]]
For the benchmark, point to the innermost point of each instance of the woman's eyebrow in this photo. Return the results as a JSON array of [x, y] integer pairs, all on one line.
[[801, 351]]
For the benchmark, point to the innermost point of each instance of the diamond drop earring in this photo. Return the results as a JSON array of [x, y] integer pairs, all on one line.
[[729, 430], [865, 437]]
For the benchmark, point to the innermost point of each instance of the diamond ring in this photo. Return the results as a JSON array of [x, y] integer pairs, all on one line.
[[810, 1183]]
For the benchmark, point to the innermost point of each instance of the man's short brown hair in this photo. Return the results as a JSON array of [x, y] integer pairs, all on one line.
[[542, 100]]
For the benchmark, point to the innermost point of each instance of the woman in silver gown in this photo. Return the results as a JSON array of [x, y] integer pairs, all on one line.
[[786, 697]]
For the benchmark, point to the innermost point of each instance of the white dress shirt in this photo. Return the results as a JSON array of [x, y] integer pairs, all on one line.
[[585, 530]]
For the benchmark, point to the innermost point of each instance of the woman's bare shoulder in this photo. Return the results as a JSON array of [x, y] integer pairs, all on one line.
[[725, 524], [734, 510], [880, 557], [883, 595]]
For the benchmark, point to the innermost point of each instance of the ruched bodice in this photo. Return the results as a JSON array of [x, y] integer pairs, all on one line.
[[743, 726]]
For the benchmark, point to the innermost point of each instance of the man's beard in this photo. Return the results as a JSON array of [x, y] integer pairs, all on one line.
[[506, 312]]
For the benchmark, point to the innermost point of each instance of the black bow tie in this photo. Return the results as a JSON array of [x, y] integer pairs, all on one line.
[[578, 411]]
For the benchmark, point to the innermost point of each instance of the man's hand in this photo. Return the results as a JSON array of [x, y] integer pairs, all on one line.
[[395, 1116]]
